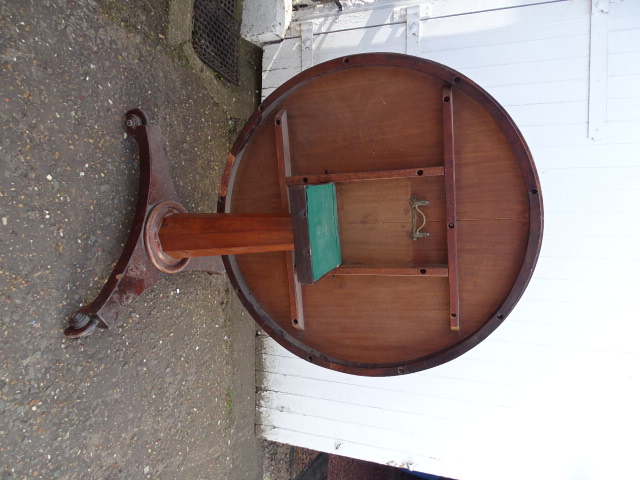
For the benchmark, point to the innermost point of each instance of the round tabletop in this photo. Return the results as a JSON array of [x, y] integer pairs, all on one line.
[[439, 212]]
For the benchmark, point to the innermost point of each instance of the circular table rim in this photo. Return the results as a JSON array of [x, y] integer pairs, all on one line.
[[523, 157]]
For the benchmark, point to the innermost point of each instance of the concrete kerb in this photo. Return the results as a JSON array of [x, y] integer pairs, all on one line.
[[228, 96]]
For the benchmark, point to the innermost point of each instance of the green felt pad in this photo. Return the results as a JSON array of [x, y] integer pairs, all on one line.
[[324, 238]]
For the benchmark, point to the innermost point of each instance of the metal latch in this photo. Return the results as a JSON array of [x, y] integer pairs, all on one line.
[[415, 210]]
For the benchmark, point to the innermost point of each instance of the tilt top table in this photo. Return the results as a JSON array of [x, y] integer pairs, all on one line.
[[379, 214]]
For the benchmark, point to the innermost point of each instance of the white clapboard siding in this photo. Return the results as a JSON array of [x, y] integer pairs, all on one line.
[[388, 38], [554, 392]]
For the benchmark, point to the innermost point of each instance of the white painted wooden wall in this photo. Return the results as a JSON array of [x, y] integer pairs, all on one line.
[[554, 393]]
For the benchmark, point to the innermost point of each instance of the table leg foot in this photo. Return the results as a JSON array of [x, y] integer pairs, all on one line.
[[81, 325]]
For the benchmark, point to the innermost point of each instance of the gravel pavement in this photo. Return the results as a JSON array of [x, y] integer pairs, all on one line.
[[169, 393]]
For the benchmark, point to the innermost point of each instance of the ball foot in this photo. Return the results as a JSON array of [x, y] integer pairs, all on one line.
[[81, 325]]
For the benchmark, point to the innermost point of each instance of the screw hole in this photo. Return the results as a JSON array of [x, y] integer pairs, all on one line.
[[345, 60], [534, 191], [401, 370], [456, 79], [294, 321], [451, 225], [420, 173], [423, 271], [260, 108], [310, 358], [454, 315], [500, 317], [278, 122], [305, 179], [446, 99], [326, 172]]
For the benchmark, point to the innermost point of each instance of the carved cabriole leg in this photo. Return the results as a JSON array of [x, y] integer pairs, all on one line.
[[135, 272]]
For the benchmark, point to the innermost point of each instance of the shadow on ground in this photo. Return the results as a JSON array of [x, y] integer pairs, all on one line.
[[169, 393]]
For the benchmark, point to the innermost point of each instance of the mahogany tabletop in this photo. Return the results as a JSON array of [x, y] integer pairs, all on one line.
[[439, 213]]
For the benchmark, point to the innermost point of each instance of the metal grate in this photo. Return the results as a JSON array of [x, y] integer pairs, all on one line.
[[216, 36], [228, 6]]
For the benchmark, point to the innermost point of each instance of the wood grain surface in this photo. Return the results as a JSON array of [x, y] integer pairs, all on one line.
[[349, 121]]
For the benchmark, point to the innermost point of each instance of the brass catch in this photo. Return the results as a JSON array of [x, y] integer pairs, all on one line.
[[415, 210]]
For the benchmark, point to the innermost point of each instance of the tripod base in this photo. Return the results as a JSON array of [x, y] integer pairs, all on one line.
[[141, 264]]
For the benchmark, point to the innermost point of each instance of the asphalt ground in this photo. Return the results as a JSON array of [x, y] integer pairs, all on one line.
[[170, 391]]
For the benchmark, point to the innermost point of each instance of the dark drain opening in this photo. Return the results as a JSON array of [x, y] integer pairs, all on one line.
[[216, 36]]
